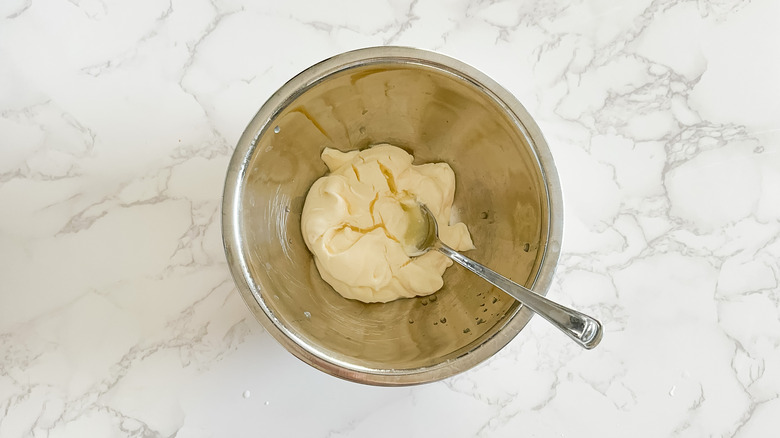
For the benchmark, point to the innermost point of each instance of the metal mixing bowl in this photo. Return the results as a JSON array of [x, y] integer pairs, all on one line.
[[440, 110]]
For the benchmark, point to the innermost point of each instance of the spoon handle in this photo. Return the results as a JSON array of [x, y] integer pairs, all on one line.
[[583, 329]]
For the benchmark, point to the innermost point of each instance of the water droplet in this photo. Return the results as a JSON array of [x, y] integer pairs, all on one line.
[[483, 215], [526, 247], [267, 403], [307, 314], [433, 298], [277, 129], [480, 321], [466, 330], [287, 209], [495, 300], [435, 323], [411, 321], [246, 394], [482, 305], [424, 302], [443, 320], [671, 391], [484, 310], [365, 111], [362, 130]]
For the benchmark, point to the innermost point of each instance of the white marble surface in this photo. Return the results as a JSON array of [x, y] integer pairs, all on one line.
[[118, 316]]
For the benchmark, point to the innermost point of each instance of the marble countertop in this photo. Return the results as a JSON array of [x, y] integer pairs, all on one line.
[[118, 316]]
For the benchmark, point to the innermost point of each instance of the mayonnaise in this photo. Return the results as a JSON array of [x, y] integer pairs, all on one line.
[[354, 220]]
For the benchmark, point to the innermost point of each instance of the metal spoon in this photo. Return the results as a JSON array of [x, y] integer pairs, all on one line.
[[583, 329]]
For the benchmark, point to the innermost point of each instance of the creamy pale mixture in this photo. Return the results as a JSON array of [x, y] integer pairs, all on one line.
[[354, 220]]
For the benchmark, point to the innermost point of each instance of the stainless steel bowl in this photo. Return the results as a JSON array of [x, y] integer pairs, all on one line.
[[439, 109]]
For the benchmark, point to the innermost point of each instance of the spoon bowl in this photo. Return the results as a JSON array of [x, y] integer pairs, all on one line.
[[423, 236]]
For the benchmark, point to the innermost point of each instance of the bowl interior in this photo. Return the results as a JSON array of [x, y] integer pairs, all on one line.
[[436, 114]]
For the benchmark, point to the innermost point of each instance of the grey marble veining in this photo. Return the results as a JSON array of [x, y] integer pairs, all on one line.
[[118, 316]]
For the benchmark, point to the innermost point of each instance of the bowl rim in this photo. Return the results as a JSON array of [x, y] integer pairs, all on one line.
[[233, 192]]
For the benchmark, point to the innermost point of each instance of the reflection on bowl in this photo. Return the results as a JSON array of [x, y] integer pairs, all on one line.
[[438, 109]]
